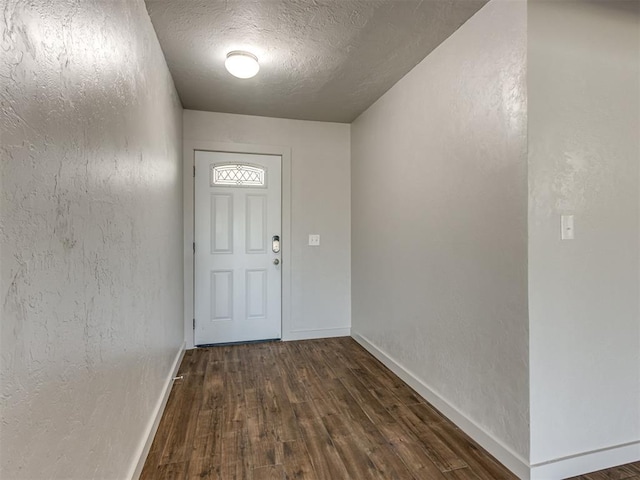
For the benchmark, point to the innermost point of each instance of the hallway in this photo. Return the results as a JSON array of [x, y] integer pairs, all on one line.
[[316, 409], [459, 202]]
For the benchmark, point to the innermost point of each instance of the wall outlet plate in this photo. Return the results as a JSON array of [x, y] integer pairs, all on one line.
[[314, 240]]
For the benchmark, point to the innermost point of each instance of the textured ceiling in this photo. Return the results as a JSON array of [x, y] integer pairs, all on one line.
[[320, 60]]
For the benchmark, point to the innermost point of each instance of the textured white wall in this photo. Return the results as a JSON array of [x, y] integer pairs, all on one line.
[[320, 203], [91, 232], [584, 156], [439, 223]]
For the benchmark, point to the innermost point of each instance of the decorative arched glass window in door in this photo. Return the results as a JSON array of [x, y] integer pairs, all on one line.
[[237, 175]]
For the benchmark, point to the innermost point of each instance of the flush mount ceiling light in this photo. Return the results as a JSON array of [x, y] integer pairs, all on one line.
[[242, 64]]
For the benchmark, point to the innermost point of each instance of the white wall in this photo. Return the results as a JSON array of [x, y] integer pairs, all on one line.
[[439, 227], [320, 286], [584, 156], [91, 232]]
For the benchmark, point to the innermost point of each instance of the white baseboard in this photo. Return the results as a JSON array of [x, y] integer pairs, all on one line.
[[586, 462], [154, 421], [501, 452], [317, 333]]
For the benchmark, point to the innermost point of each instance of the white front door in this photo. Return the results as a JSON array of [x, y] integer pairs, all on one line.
[[237, 247]]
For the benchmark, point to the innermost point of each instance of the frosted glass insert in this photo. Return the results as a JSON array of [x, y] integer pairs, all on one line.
[[237, 174]]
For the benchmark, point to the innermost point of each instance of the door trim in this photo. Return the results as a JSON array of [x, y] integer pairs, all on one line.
[[188, 187]]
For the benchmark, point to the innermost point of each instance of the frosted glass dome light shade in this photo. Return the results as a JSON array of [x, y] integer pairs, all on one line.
[[242, 64]]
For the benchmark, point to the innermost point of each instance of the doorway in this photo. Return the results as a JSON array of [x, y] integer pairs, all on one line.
[[237, 248]]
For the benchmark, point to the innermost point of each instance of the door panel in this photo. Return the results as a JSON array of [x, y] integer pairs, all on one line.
[[221, 295], [221, 224], [256, 224], [237, 213], [256, 294]]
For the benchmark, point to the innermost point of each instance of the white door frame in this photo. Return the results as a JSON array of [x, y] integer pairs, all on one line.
[[188, 186]]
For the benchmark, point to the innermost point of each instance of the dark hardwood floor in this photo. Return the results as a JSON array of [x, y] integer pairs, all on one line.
[[625, 472], [316, 409]]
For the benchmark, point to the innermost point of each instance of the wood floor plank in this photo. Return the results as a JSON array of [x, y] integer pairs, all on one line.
[[173, 471], [286, 428], [316, 360], [311, 410], [390, 465], [356, 457], [379, 420], [301, 470], [624, 472], [235, 471], [320, 394], [414, 455], [296, 461], [265, 451], [427, 414], [213, 386], [326, 462], [271, 472], [203, 468], [376, 387], [309, 419], [437, 450], [183, 426], [236, 458], [478, 460], [348, 406], [384, 377], [461, 474]]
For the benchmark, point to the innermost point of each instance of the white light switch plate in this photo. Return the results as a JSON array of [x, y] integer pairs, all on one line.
[[314, 240], [566, 224]]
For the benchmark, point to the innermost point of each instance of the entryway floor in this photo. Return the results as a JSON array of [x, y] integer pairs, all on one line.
[[315, 409]]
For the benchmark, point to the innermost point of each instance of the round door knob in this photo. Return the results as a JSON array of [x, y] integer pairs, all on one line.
[[276, 261]]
